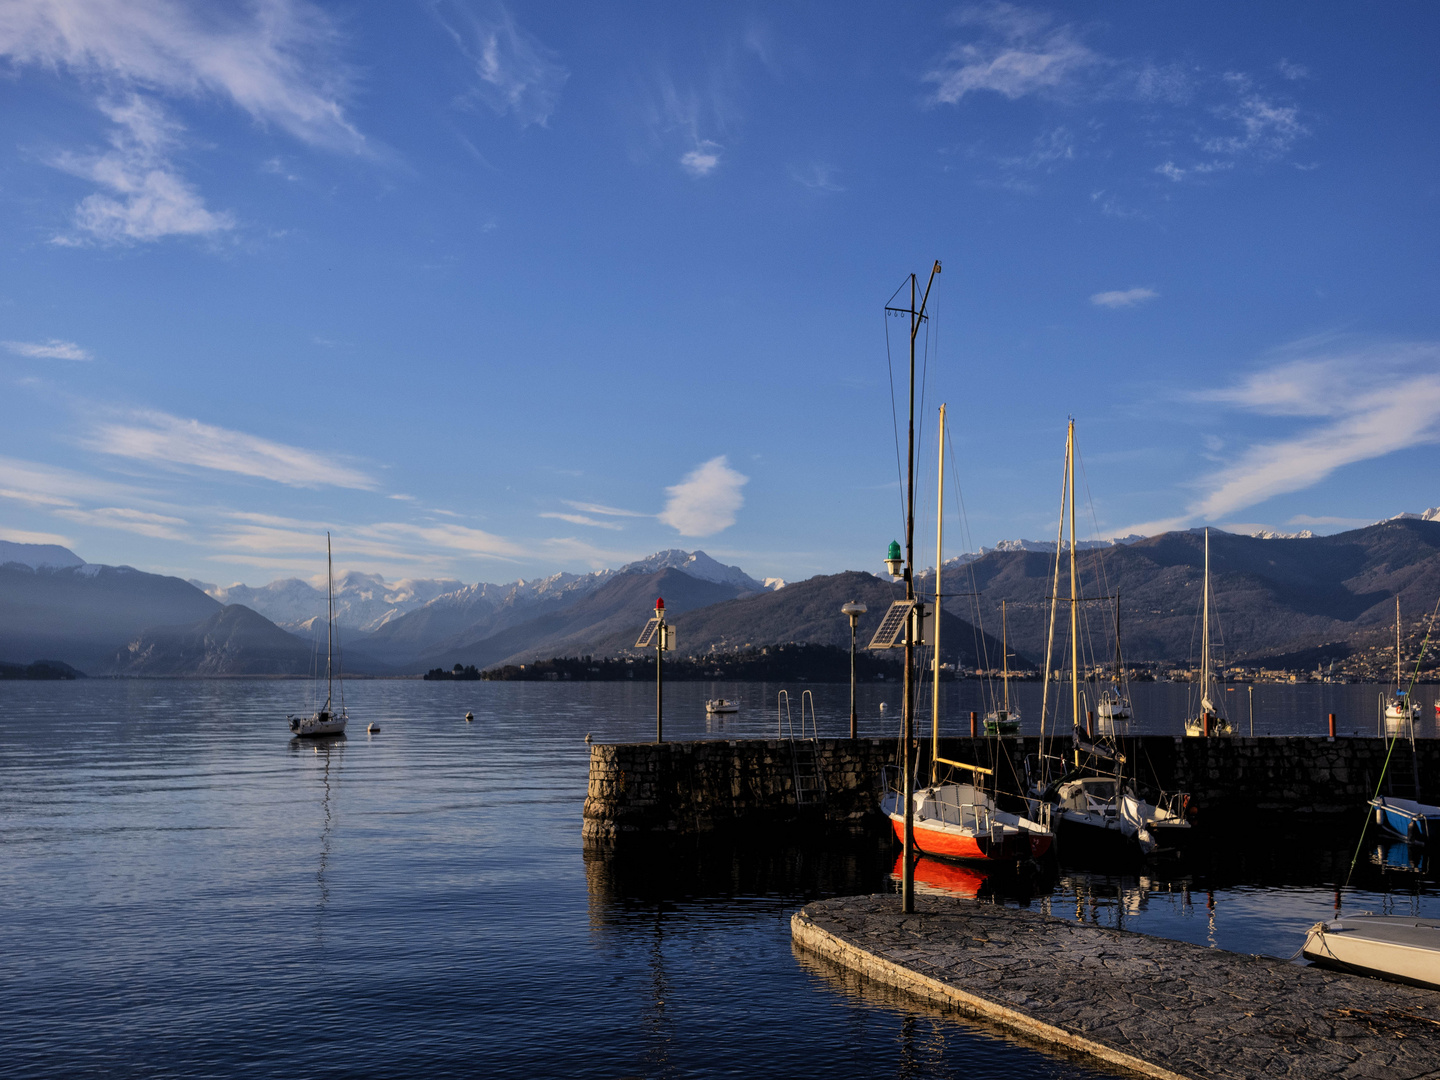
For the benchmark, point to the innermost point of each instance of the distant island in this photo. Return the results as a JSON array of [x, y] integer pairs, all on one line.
[[459, 673], [40, 669]]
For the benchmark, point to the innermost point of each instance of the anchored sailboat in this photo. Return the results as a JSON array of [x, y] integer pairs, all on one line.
[[325, 720], [1210, 720], [1006, 719], [1399, 711], [1113, 710]]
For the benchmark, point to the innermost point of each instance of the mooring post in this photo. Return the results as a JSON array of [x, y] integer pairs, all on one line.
[[1090, 723], [974, 723], [1332, 727]]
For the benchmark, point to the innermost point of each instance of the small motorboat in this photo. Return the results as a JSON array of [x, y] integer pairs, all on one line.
[[717, 706], [1417, 822], [1400, 947]]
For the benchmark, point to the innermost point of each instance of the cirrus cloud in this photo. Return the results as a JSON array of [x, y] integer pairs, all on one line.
[[54, 349], [163, 439], [1122, 298]]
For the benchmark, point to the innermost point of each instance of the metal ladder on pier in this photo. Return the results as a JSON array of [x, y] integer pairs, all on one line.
[[804, 749]]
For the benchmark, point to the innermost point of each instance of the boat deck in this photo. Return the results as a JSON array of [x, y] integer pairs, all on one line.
[[1140, 1004]]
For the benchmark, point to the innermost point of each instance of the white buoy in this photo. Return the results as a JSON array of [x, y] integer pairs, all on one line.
[[587, 738], [469, 716], [373, 729], [882, 706]]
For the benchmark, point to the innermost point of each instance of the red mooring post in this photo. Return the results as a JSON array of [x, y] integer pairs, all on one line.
[[1206, 715], [1090, 723], [1332, 727], [974, 722]]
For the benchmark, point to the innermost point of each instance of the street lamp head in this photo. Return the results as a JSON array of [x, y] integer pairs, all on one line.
[[853, 610], [893, 560]]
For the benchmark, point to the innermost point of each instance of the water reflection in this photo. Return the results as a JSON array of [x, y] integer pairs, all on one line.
[[325, 751]]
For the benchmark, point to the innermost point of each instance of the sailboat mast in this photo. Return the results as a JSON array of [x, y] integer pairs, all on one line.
[[1005, 652], [939, 559], [1397, 641], [1117, 636], [1205, 633], [330, 622], [1054, 607], [1074, 597]]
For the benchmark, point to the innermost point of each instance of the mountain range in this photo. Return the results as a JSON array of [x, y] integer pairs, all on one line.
[[1270, 596]]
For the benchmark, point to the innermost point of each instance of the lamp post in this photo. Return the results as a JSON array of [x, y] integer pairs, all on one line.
[[853, 610]]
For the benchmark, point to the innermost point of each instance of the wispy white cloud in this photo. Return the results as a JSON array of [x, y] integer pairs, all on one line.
[[1263, 127], [1122, 298], [1366, 403], [702, 160], [128, 519], [274, 59], [706, 501], [1292, 71], [1019, 52], [581, 519], [163, 439], [147, 197], [693, 119], [458, 538], [608, 511], [46, 486], [815, 175], [53, 349], [518, 74]]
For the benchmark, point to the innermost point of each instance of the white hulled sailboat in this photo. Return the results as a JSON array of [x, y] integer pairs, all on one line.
[[325, 720], [1210, 720]]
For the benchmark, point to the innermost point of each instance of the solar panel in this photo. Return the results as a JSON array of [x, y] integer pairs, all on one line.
[[892, 626], [647, 636]]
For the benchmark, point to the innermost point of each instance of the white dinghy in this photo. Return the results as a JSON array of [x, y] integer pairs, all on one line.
[[1400, 947]]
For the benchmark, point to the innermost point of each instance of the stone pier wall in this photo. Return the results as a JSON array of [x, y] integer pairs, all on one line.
[[697, 787]]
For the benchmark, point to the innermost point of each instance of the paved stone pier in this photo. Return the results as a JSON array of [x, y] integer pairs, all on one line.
[[1141, 1004]]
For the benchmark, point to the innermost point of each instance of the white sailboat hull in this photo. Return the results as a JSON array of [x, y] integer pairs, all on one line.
[[317, 724], [1391, 946]]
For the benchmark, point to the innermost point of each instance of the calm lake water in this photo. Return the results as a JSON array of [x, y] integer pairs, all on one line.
[[188, 892]]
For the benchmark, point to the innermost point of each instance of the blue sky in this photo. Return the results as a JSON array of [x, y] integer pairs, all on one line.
[[491, 291]]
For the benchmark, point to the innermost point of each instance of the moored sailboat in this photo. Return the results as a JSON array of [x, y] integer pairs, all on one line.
[[1209, 720], [325, 720], [1398, 710], [1006, 719]]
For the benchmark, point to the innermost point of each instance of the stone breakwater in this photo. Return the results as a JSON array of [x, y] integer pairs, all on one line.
[[696, 787], [1148, 1005]]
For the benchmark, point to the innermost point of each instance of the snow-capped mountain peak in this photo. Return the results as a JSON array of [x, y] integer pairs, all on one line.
[[699, 565], [38, 556]]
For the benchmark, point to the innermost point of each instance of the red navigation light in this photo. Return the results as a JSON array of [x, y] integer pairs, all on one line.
[[659, 603]]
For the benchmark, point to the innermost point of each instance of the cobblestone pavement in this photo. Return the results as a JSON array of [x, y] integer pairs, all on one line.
[[1144, 1004]]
